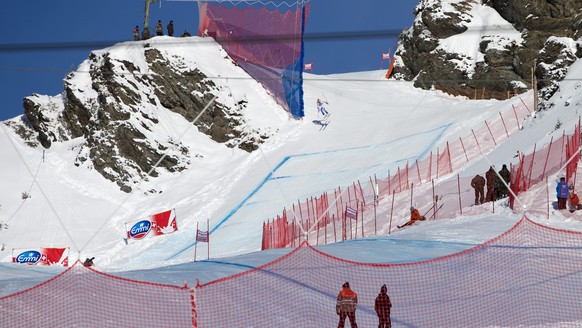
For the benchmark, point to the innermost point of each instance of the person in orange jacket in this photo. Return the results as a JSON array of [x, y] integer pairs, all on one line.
[[347, 301], [414, 216]]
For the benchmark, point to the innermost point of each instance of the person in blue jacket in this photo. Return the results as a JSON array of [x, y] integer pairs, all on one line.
[[562, 193]]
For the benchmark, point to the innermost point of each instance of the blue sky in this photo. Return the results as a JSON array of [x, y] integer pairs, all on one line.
[[48, 28]]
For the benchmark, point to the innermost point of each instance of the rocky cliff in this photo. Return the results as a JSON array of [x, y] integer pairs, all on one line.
[[512, 38], [111, 107]]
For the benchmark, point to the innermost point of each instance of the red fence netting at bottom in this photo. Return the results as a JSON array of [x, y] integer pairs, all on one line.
[[530, 275], [81, 297]]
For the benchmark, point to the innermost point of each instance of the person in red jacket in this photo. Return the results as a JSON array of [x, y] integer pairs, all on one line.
[[478, 183], [490, 176], [347, 301], [414, 216], [382, 307]]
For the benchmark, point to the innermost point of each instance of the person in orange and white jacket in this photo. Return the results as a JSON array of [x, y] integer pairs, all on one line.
[[347, 302]]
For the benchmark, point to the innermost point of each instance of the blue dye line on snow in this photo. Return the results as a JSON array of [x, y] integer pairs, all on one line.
[[237, 207], [269, 176]]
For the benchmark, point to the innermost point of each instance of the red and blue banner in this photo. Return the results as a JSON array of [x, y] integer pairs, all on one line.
[[158, 224], [41, 256]]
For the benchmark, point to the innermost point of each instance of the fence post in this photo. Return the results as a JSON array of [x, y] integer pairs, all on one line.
[[399, 181], [459, 188], [547, 157], [477, 141], [411, 193], [464, 151], [529, 111], [429, 175], [362, 221], [433, 200], [504, 126], [548, 197], [533, 157], [418, 172], [516, 118], [437, 163], [562, 149], [449, 155], [389, 178], [491, 133], [391, 212]]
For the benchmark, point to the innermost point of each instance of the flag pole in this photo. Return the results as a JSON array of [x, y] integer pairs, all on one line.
[[208, 231], [196, 243]]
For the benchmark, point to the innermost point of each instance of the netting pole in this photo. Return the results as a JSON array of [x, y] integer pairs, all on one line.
[[418, 172], [295, 236], [326, 219], [516, 118], [491, 133], [529, 111], [357, 217], [351, 228], [407, 179], [504, 126], [464, 151], [375, 198], [344, 224], [306, 232], [389, 178], [411, 193], [562, 149], [196, 245], [533, 156], [391, 211], [300, 219], [317, 221], [362, 221], [449, 155], [293, 233], [429, 173], [547, 157], [548, 196], [362, 191], [399, 180], [262, 241], [477, 141], [459, 189], [493, 201], [433, 200], [334, 230], [314, 213], [437, 163]]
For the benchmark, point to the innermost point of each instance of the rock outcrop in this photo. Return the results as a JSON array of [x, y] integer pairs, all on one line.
[[545, 34], [111, 106]]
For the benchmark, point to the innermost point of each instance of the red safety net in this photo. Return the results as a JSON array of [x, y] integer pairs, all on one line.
[[542, 163], [323, 219], [266, 40], [526, 277], [82, 297]]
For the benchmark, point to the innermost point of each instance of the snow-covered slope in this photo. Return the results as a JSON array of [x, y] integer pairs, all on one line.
[[376, 125]]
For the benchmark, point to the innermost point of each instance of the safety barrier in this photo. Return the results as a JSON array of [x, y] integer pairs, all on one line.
[[314, 219], [540, 164], [83, 297]]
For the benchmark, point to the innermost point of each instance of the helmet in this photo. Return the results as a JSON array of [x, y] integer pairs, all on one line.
[[412, 208]]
